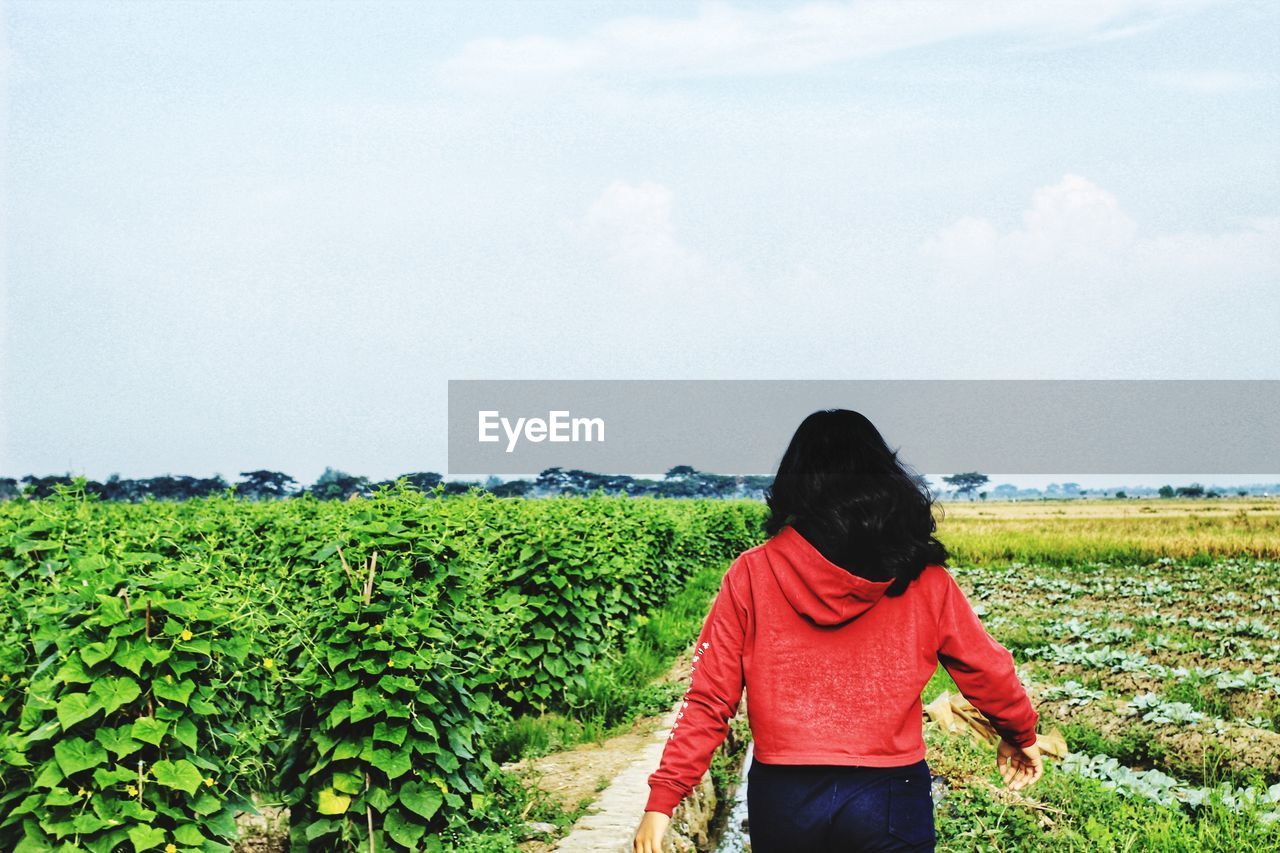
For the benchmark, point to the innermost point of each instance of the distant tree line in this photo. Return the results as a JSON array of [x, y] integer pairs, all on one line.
[[682, 481]]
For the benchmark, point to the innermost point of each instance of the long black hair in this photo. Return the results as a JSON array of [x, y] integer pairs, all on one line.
[[845, 491]]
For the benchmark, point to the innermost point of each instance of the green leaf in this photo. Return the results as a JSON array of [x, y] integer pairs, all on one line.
[[188, 834], [181, 774], [27, 806], [111, 612], [348, 783], [340, 654], [394, 764], [237, 648], [148, 729], [136, 811], [106, 777], [87, 822], [78, 754], [200, 705], [318, 828], [73, 671], [402, 830], [60, 797], [185, 731], [346, 749], [421, 799], [206, 804], [132, 655], [75, 707], [460, 743], [390, 734], [114, 693], [95, 653], [45, 731], [331, 802], [381, 799], [340, 712], [117, 740], [59, 828], [49, 776], [146, 837], [173, 691]]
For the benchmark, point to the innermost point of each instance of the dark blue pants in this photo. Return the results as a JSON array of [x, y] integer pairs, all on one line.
[[832, 809]]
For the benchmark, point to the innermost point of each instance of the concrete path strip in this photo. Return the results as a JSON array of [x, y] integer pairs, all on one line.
[[611, 827]]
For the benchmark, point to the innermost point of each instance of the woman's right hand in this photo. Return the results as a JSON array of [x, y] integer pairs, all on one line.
[[1018, 766], [648, 837]]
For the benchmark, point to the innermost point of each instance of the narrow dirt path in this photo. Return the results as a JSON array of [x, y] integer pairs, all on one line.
[[614, 816], [611, 776]]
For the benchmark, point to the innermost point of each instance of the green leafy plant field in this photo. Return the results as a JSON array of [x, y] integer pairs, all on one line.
[[163, 663]]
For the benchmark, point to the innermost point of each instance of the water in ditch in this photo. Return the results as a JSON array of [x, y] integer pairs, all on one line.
[[735, 838]]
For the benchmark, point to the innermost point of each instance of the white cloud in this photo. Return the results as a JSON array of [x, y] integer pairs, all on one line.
[[1212, 82], [631, 224], [724, 39], [1076, 235]]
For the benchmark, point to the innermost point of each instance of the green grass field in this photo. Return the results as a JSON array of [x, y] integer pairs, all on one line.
[[1147, 634]]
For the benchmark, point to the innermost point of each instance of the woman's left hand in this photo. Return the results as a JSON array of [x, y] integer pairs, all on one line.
[[649, 834], [1018, 766]]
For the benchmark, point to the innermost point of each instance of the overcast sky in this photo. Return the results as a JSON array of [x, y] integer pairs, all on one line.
[[265, 235]]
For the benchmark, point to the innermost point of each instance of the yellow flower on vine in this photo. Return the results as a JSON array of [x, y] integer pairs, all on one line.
[[186, 634], [133, 791], [268, 663], [208, 780], [170, 848]]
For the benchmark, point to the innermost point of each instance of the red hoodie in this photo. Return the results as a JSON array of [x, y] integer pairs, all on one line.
[[832, 667]]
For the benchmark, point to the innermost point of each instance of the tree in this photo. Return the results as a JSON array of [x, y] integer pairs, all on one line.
[[552, 480], [339, 485], [512, 489], [966, 483], [170, 488], [43, 487], [424, 481], [262, 485], [460, 487], [118, 489], [1166, 491]]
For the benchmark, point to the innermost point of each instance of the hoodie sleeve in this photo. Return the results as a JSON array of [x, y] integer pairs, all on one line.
[[715, 689], [983, 669]]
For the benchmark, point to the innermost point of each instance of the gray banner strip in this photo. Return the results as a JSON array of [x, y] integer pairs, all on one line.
[[1010, 426]]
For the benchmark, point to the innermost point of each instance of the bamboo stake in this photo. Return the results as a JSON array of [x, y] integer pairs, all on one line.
[[368, 584], [346, 567], [368, 810]]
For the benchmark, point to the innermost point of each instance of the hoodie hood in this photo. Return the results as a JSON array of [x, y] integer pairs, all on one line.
[[814, 586]]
